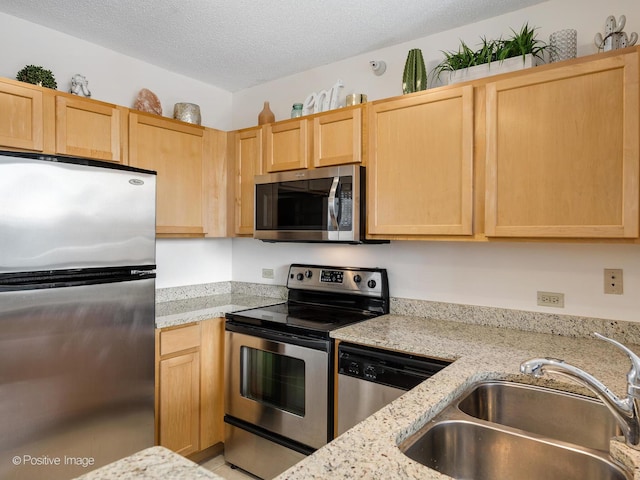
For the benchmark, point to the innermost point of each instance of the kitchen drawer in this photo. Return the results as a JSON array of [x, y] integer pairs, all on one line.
[[178, 339]]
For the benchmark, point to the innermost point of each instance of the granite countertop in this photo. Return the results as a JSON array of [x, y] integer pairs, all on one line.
[[155, 463], [177, 312], [369, 450]]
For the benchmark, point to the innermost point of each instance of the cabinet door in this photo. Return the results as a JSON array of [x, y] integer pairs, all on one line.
[[420, 166], [212, 383], [88, 129], [174, 150], [21, 117], [562, 151], [287, 146], [248, 163], [179, 403], [337, 137], [216, 182]]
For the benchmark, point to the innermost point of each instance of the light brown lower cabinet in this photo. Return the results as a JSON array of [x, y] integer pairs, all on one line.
[[189, 387]]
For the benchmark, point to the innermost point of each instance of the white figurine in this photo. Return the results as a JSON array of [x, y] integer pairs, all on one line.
[[614, 37], [323, 100], [80, 85]]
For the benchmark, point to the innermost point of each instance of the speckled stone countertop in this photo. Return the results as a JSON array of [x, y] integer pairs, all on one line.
[[370, 449], [187, 310], [155, 463]]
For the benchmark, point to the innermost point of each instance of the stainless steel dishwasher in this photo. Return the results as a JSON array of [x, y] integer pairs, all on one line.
[[370, 378]]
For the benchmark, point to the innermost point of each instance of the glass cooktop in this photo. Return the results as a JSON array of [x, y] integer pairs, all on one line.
[[319, 299], [300, 317]]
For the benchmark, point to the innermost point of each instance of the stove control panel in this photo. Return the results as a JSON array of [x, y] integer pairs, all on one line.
[[360, 281]]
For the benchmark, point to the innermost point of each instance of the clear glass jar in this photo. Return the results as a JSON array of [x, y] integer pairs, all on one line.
[[296, 111]]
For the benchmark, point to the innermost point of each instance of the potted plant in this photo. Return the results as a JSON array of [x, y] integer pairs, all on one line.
[[37, 75], [466, 64]]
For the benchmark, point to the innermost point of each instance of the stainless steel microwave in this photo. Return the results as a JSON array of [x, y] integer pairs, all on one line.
[[319, 205]]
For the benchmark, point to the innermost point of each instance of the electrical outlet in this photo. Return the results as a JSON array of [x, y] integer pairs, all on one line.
[[551, 299], [613, 281], [267, 273]]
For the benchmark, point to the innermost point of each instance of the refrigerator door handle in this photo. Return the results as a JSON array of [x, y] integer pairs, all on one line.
[[72, 278]]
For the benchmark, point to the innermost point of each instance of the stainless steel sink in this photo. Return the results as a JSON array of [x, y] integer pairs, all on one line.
[[468, 450], [503, 430], [551, 413]]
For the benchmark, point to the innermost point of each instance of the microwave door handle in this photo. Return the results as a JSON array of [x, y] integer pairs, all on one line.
[[332, 202]]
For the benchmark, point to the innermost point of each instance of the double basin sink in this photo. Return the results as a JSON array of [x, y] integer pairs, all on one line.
[[503, 430]]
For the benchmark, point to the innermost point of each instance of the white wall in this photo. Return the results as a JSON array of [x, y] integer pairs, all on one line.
[[586, 16], [499, 274], [113, 77], [192, 261]]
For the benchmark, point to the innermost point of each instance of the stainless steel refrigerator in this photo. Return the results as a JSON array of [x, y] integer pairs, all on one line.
[[77, 305]]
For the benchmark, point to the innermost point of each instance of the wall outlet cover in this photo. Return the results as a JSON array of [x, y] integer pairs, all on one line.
[[551, 299], [613, 281]]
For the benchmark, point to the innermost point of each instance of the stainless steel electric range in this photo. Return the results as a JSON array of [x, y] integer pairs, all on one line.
[[280, 361]]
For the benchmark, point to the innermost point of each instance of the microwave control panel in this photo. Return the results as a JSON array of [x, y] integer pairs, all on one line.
[[346, 209]]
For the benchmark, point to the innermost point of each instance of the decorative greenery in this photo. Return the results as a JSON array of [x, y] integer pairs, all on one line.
[[37, 76], [520, 43]]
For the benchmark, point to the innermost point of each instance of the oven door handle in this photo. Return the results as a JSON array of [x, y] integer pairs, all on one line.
[[333, 207], [313, 343]]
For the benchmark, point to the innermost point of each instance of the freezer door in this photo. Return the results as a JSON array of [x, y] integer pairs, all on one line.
[[56, 215], [76, 377]]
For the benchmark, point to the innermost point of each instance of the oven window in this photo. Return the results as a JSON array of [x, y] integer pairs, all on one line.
[[273, 379]]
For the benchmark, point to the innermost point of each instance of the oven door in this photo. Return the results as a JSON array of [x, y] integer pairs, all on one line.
[[279, 386]]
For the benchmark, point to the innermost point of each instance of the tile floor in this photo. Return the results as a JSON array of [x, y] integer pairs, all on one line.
[[218, 466]]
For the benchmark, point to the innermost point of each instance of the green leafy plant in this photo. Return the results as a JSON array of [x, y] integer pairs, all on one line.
[[519, 43], [37, 75], [487, 51]]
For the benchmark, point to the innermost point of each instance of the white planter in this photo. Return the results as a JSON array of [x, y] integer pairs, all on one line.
[[493, 68]]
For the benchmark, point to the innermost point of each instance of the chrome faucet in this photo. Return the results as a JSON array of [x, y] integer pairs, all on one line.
[[625, 410]]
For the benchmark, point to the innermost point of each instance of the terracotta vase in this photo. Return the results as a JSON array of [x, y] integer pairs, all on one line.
[[266, 115]]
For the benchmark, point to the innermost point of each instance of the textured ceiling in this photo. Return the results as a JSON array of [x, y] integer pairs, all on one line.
[[236, 44]]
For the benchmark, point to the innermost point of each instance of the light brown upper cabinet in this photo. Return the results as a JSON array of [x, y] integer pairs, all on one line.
[[247, 162], [87, 128], [337, 137], [21, 116], [287, 145], [176, 151], [216, 184], [321, 140], [563, 151], [420, 165]]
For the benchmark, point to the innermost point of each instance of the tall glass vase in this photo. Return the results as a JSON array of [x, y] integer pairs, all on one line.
[[414, 77]]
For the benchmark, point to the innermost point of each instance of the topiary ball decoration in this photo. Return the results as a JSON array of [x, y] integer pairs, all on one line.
[[37, 75]]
